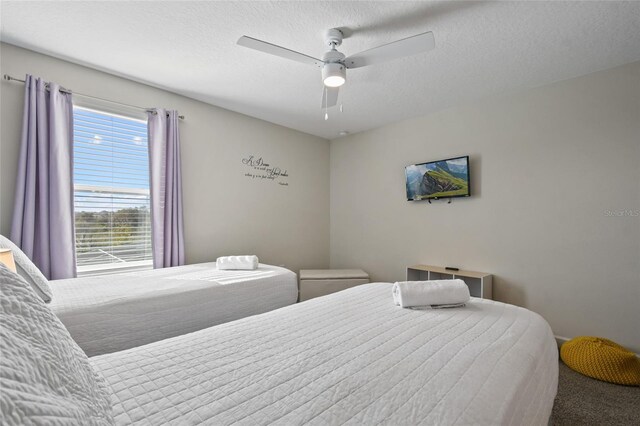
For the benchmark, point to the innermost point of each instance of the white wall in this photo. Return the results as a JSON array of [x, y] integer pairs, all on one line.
[[224, 211], [546, 166]]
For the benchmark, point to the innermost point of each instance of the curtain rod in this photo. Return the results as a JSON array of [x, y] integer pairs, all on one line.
[[63, 90]]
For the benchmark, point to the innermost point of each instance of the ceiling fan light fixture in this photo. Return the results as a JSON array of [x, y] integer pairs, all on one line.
[[334, 74], [334, 81]]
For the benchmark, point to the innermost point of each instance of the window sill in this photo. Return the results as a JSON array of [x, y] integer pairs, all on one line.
[[114, 268]]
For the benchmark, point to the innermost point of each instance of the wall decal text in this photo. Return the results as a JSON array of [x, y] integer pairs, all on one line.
[[260, 169]]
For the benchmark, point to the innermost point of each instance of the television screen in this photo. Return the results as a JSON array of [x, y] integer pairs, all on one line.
[[438, 179]]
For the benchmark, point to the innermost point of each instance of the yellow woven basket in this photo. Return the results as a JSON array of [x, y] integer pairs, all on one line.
[[601, 359]]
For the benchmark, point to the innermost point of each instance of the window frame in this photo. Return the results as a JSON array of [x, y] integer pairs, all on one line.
[[128, 113]]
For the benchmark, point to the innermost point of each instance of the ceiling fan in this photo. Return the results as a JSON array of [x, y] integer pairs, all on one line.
[[334, 64]]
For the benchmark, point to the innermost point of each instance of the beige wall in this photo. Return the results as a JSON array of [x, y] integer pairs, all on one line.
[[225, 212], [546, 166]]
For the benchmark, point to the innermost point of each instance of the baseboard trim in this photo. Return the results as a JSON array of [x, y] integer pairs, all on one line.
[[561, 339]]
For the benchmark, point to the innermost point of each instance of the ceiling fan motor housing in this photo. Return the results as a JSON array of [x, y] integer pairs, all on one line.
[[333, 56]]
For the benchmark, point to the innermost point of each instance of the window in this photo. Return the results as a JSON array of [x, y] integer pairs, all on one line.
[[111, 192]]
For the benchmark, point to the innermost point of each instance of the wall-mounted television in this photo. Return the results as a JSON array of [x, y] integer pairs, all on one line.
[[438, 179]]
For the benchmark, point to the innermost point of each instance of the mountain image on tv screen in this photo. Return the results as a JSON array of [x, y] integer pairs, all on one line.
[[438, 179]]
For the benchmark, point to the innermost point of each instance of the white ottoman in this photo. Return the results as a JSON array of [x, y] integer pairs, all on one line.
[[320, 282]]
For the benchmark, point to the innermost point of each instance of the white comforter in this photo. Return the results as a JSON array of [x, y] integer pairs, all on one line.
[[348, 358], [115, 312]]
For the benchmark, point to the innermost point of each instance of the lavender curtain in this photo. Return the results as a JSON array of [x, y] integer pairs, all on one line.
[[167, 229], [43, 225]]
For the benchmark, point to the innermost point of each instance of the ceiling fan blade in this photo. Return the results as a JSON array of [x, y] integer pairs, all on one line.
[[329, 96], [272, 49], [397, 49]]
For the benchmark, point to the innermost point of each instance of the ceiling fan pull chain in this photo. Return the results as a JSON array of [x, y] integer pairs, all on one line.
[[326, 112]]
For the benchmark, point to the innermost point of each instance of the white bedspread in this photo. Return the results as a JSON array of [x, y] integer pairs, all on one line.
[[348, 358], [110, 313]]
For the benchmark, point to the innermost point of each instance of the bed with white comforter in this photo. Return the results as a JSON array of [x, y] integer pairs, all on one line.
[[348, 358], [110, 313]]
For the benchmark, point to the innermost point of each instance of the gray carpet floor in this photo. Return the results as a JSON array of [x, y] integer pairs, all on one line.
[[582, 400]]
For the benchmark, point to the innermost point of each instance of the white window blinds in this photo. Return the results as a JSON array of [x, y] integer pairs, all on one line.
[[111, 191]]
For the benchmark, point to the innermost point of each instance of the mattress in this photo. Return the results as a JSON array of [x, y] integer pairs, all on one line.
[[351, 357], [110, 313]]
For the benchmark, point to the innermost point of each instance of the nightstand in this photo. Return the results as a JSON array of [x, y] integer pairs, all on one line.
[[320, 282]]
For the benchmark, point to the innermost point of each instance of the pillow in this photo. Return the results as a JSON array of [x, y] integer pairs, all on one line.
[[27, 270], [44, 375]]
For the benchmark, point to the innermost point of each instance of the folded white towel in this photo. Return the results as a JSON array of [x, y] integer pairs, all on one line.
[[428, 307], [428, 293], [237, 262]]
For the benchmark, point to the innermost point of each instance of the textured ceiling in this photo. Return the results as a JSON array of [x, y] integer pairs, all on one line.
[[482, 48]]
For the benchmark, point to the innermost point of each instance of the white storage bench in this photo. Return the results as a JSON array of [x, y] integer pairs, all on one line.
[[320, 282]]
